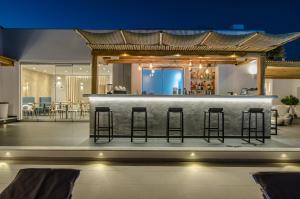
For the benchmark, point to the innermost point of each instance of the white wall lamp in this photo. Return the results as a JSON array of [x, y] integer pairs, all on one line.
[[252, 70]]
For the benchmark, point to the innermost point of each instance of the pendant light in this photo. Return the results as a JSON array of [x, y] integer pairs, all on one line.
[[151, 66], [206, 71]]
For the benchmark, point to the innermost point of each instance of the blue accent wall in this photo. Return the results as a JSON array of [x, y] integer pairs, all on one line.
[[162, 81]]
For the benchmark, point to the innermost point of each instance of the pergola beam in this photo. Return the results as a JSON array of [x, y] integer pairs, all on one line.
[[260, 77], [282, 72], [248, 39], [123, 37], [205, 38], [94, 73], [5, 61], [165, 53]]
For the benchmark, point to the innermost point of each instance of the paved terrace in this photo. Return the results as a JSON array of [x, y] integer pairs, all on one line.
[[75, 135]]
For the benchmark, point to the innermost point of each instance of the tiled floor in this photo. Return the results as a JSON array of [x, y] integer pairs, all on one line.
[[75, 134], [156, 180]]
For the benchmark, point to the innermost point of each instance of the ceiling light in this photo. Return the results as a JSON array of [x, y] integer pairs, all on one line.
[[80, 68], [124, 54], [139, 67], [233, 55], [200, 66], [283, 155], [192, 154], [190, 63], [177, 55]]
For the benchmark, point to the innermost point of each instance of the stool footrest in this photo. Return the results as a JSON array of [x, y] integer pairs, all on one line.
[[135, 129], [175, 129]]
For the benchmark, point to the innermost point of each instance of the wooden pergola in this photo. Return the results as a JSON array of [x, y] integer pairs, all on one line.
[[209, 47], [5, 61], [283, 70]]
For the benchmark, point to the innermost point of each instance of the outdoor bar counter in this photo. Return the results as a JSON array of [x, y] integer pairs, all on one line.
[[193, 112]]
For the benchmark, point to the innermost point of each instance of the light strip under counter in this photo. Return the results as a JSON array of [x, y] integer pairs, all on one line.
[[180, 98]]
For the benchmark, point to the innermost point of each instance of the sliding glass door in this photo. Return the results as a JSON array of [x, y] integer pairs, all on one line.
[[55, 92]]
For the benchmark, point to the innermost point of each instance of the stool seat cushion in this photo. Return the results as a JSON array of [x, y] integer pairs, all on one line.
[[175, 109], [255, 110], [215, 110], [102, 109], [139, 109]]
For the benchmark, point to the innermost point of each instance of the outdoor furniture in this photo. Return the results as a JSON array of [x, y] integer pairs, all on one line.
[[108, 127], [284, 117], [279, 185], [208, 125], [297, 110], [174, 110], [133, 127], [249, 128], [42, 183]]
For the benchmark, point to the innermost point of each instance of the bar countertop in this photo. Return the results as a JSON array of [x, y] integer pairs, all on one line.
[[193, 111]]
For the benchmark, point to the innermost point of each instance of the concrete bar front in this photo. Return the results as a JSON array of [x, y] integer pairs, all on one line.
[[193, 111]]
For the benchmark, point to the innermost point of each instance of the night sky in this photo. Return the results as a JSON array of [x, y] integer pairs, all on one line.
[[270, 16]]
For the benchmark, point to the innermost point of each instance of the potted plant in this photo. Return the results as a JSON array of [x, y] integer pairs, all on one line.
[[291, 101]]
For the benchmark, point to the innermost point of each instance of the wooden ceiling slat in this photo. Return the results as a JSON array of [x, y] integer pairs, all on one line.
[[283, 73]]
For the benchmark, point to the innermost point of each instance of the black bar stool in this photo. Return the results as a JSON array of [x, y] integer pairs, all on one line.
[[249, 128], [214, 111], [133, 128], [274, 126], [108, 127], [180, 128]]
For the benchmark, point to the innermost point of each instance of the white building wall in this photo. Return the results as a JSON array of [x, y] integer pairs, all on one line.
[[285, 87], [1, 41], [10, 88], [232, 78], [28, 45]]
